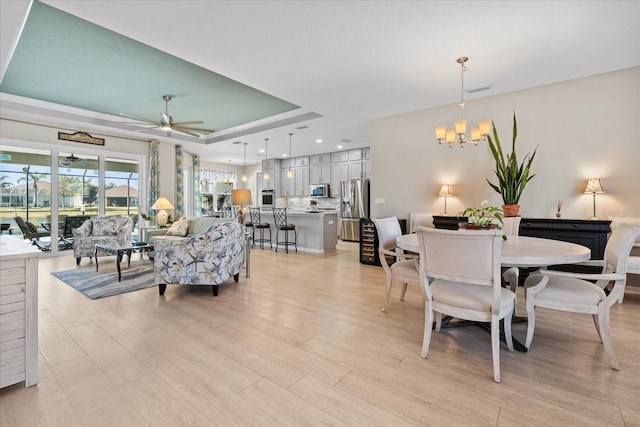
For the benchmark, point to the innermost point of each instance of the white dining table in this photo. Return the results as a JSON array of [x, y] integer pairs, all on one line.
[[523, 251]]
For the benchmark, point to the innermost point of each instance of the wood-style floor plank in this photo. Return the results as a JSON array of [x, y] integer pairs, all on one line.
[[304, 342]]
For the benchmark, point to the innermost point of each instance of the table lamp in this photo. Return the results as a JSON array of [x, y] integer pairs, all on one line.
[[445, 191], [594, 187], [162, 204], [242, 198]]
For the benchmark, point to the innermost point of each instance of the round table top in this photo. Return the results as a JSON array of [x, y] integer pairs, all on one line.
[[523, 251]]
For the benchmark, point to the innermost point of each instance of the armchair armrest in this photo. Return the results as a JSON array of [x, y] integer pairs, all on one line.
[[155, 233], [583, 276], [83, 230]]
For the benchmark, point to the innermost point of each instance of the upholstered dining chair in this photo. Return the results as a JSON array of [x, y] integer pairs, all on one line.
[[419, 219], [404, 267], [633, 263], [460, 277], [511, 227], [576, 292]]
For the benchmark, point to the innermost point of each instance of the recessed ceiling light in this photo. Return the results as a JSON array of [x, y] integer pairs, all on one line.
[[340, 146], [319, 141], [261, 150], [285, 155]]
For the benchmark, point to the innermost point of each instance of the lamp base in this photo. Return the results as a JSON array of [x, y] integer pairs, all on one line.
[[162, 218]]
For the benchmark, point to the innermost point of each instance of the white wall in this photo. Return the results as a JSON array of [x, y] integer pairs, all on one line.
[[584, 128]]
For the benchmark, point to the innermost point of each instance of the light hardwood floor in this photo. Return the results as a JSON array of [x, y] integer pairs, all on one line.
[[303, 342]]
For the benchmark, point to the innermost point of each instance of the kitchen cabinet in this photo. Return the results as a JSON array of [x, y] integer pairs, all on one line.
[[287, 185], [366, 153], [302, 181], [18, 312], [320, 159], [272, 167], [339, 173], [320, 173], [366, 168], [340, 156], [355, 154], [355, 169], [301, 161]]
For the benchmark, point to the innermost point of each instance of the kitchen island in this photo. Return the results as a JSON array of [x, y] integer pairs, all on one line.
[[317, 231]]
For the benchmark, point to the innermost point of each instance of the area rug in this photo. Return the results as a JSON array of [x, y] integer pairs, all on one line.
[[104, 283]]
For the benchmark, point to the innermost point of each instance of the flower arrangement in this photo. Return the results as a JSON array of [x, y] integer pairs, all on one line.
[[484, 216]]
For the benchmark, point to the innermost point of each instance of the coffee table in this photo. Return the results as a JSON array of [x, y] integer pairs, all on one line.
[[119, 252]]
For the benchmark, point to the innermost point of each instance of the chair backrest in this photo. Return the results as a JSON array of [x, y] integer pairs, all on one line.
[[71, 222], [419, 219], [254, 214], [511, 225], [616, 253], [24, 229], [617, 221], [469, 256], [228, 211], [388, 230], [280, 216]]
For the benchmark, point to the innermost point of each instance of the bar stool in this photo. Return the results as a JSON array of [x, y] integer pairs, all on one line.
[[280, 218], [256, 222]]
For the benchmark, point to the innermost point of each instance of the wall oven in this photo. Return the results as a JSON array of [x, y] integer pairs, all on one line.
[[268, 198]]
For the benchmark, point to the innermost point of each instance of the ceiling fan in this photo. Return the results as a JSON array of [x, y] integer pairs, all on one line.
[[167, 124], [68, 161]]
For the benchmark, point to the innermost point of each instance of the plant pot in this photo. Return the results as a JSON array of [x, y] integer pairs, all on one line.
[[511, 210], [471, 226]]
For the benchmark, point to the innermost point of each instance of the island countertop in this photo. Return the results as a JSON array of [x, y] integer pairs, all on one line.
[[317, 231]]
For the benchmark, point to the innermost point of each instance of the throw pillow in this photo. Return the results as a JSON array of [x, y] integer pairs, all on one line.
[[179, 228]]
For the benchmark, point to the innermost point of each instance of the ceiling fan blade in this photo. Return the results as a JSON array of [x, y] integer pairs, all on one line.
[[137, 118], [199, 122], [178, 129], [194, 129]]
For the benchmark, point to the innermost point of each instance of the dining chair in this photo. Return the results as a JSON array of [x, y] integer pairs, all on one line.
[[576, 292], [633, 263], [511, 275], [419, 219], [403, 267], [460, 277]]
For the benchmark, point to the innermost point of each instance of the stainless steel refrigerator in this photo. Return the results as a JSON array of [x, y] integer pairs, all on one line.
[[354, 204]]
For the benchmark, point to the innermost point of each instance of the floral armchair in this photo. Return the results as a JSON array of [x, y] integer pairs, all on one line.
[[105, 230], [205, 259]]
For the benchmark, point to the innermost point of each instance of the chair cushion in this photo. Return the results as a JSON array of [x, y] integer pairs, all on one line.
[[568, 292], [287, 227], [405, 269], [179, 228], [473, 297]]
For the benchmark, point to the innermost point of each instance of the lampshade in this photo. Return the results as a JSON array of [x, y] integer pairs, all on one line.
[[241, 197], [445, 191], [594, 186], [162, 203]]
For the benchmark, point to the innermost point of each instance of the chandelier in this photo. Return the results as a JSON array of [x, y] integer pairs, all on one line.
[[449, 135]]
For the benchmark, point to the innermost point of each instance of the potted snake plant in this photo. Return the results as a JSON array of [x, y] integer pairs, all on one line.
[[512, 176]]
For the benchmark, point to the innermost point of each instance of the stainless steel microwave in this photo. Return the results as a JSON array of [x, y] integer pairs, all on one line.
[[319, 190]]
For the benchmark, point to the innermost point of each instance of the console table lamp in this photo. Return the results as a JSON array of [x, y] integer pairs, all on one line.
[[242, 198], [161, 205], [445, 191], [594, 187]]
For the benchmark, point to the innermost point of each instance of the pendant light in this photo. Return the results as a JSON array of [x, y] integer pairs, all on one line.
[[265, 174], [244, 164], [290, 172]]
